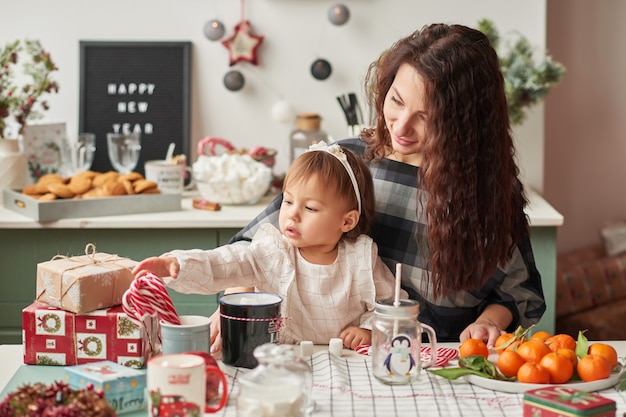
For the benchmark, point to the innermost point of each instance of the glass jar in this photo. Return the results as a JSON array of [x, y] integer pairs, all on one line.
[[397, 341], [308, 132], [13, 168], [280, 386]]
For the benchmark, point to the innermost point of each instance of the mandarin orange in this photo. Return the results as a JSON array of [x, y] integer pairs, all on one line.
[[561, 341], [509, 362], [558, 366], [570, 354], [593, 367], [541, 335], [533, 373], [473, 347], [608, 352], [533, 350]]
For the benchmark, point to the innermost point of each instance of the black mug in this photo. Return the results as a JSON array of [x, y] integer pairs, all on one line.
[[248, 320]]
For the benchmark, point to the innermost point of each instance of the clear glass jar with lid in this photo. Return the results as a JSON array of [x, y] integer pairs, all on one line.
[[308, 131], [280, 386], [397, 341]]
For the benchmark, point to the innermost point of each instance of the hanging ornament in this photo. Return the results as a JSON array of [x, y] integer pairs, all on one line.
[[321, 69], [283, 111], [338, 14], [243, 44], [214, 30], [234, 80]]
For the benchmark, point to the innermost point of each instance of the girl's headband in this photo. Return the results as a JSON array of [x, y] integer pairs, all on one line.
[[335, 150]]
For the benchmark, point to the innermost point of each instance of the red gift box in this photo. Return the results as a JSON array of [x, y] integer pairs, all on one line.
[[555, 401], [52, 336]]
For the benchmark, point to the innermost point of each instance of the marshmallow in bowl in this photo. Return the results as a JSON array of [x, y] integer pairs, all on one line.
[[231, 178]]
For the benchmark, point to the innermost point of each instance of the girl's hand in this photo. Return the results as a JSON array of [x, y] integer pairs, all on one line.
[[162, 267], [216, 334]]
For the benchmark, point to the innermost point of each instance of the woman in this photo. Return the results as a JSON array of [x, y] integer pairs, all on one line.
[[449, 207]]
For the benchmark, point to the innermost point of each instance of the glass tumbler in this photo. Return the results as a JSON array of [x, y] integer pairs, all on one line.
[[78, 154], [124, 149]]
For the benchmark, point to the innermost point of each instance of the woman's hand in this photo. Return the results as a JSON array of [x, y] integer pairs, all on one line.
[[489, 325], [354, 336], [484, 330]]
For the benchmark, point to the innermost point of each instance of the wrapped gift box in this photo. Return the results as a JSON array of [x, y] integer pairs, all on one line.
[[52, 336], [123, 387], [554, 401], [81, 284]]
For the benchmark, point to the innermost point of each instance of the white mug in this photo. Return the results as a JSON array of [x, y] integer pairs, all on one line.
[[169, 177], [177, 385]]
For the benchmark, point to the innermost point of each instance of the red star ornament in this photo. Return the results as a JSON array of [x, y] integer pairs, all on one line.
[[242, 46]]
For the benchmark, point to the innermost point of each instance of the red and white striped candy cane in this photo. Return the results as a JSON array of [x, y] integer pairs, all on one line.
[[148, 295], [212, 142]]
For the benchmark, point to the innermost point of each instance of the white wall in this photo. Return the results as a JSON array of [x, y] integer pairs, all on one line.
[[296, 33]]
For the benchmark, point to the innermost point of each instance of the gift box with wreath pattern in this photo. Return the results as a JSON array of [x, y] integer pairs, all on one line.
[[52, 336]]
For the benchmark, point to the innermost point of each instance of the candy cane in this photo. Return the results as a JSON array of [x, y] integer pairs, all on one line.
[[147, 295], [212, 141]]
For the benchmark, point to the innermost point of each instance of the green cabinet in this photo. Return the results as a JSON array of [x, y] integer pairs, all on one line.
[[22, 249]]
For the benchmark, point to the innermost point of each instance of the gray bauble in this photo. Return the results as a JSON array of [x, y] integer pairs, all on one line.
[[338, 14], [214, 30], [234, 80], [321, 69]]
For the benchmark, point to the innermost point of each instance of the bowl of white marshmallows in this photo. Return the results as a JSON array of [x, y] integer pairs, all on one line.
[[231, 178]]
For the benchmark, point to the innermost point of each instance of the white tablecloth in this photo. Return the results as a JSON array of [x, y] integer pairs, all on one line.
[[344, 386]]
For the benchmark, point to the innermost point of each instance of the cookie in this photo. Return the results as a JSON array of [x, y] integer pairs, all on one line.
[[100, 179], [42, 183], [132, 176], [86, 174], [128, 186], [113, 188], [154, 190], [60, 190], [93, 193], [141, 186], [30, 190], [47, 197], [48, 178], [80, 184]]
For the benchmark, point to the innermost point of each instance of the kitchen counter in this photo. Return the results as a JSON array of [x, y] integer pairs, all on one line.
[[24, 243], [187, 217], [540, 213]]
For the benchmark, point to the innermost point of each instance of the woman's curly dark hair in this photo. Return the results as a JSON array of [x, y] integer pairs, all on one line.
[[475, 201]]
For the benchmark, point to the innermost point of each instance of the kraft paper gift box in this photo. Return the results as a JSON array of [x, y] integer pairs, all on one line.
[[124, 388], [81, 284], [554, 401], [53, 336]]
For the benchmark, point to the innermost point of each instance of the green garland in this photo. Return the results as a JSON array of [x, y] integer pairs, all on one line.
[[57, 322], [526, 82], [133, 363], [125, 327], [85, 346]]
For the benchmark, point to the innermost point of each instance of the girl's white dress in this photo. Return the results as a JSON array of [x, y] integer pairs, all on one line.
[[319, 301]]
